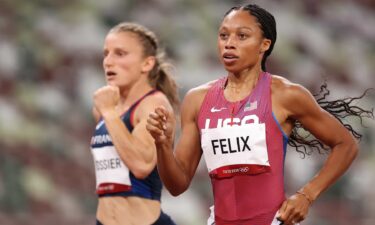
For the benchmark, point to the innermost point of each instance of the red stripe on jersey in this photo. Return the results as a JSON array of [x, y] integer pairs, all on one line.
[[108, 188], [240, 169]]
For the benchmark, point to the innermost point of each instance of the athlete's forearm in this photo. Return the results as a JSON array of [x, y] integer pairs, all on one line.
[[173, 176], [340, 158], [129, 148]]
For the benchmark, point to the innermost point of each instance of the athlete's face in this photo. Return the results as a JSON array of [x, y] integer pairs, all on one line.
[[123, 60], [240, 42]]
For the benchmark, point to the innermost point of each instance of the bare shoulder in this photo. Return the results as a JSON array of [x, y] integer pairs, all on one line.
[[195, 96], [286, 90], [290, 96], [200, 91], [156, 99], [149, 104], [281, 84]]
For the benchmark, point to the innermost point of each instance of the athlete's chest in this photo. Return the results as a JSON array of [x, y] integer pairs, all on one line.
[[226, 114]]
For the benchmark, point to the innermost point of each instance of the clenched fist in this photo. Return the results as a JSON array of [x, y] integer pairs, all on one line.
[[106, 98], [160, 124], [294, 209]]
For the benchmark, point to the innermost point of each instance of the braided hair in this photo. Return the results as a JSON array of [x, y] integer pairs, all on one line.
[[340, 109], [300, 139]]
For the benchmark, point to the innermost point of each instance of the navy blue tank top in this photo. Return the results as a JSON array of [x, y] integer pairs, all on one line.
[[110, 169]]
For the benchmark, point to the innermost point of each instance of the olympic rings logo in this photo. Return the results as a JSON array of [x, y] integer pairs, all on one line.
[[244, 169]]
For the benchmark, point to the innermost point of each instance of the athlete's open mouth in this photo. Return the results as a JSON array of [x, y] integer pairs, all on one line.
[[110, 73], [230, 56]]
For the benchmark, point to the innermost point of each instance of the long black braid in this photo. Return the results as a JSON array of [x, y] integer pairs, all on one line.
[[306, 143], [300, 139]]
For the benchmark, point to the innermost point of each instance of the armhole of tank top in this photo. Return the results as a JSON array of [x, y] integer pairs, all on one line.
[[279, 126], [202, 106], [272, 113], [201, 109], [135, 106]]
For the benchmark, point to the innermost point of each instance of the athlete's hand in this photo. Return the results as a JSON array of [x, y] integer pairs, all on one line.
[[106, 98], [294, 209], [160, 124]]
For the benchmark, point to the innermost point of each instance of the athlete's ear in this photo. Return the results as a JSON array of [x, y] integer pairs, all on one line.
[[266, 43], [148, 64]]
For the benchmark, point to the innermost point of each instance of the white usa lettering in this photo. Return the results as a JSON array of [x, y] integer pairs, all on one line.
[[227, 122]]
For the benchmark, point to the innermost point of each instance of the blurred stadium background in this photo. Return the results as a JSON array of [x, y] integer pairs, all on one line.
[[50, 64]]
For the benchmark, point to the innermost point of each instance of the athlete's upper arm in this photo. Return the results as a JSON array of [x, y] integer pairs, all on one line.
[[188, 150], [302, 106], [140, 121], [95, 114]]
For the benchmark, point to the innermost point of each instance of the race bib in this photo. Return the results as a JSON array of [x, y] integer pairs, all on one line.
[[235, 150], [112, 175]]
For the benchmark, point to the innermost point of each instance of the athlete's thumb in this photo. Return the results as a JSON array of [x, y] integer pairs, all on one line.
[[281, 213]]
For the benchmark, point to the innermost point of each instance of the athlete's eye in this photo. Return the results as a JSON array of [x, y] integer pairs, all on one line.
[[242, 36], [223, 36], [120, 52]]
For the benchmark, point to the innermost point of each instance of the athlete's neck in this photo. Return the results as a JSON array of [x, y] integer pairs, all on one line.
[[131, 94], [241, 84]]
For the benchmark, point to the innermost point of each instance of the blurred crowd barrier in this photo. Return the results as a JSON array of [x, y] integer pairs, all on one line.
[[51, 63]]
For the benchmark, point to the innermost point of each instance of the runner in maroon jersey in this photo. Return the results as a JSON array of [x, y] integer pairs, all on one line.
[[241, 123]]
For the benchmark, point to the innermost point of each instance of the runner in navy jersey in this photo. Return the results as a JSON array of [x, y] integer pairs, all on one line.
[[242, 123], [138, 80]]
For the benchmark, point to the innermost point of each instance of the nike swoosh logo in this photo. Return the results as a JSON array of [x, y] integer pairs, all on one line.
[[217, 110]]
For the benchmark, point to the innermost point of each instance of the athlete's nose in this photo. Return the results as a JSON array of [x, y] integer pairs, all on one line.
[[230, 43], [107, 61]]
